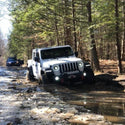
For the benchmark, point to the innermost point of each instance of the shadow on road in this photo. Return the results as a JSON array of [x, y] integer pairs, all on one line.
[[103, 82], [107, 82]]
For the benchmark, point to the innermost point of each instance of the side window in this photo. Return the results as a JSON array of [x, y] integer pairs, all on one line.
[[34, 55], [37, 56]]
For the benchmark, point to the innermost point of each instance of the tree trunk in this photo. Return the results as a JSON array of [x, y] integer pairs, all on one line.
[[74, 25], [118, 45], [67, 24], [93, 52], [56, 30], [123, 34]]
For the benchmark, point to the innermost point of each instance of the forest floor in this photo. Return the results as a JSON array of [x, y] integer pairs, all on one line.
[[110, 67]]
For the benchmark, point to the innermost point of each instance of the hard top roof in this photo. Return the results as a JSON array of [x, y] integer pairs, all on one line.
[[47, 48]]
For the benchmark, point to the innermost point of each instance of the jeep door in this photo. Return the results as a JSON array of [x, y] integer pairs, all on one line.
[[36, 63]]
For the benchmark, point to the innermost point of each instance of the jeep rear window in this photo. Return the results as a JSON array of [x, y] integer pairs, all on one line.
[[56, 52]]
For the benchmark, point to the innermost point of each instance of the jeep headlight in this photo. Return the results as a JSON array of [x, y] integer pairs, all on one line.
[[80, 64], [56, 68]]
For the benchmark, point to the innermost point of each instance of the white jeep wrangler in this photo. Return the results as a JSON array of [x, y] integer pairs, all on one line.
[[58, 64]]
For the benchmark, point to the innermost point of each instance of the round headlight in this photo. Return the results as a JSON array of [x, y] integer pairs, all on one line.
[[80, 64], [56, 68]]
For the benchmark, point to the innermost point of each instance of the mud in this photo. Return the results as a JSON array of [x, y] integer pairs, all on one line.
[[27, 103]]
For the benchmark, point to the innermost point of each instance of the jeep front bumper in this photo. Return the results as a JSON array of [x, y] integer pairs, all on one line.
[[66, 77]]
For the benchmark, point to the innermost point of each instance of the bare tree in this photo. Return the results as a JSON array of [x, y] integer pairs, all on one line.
[[2, 48], [1, 44]]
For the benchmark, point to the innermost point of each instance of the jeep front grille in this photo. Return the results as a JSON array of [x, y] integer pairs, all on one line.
[[68, 67]]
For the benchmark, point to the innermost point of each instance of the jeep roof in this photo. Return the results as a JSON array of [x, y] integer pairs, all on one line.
[[47, 48]]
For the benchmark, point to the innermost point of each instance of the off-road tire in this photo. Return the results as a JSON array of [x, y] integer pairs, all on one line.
[[90, 78], [44, 80], [30, 75]]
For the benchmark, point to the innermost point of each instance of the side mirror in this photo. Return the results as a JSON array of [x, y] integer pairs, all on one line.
[[76, 54], [36, 59]]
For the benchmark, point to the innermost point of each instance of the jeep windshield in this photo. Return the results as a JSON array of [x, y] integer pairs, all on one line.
[[56, 52]]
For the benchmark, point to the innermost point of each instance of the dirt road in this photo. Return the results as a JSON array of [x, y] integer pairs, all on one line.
[[26, 103]]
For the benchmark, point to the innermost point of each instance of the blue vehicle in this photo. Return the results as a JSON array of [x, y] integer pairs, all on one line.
[[12, 61]]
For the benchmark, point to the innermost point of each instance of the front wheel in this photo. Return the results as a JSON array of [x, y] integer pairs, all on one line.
[[43, 80], [90, 78]]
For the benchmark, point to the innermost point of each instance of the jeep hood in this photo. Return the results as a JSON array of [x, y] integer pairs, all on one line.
[[48, 62]]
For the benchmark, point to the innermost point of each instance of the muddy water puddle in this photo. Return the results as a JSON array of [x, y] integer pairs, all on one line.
[[109, 104], [113, 109]]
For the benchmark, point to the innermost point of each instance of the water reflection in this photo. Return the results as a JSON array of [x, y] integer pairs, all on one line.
[[112, 108]]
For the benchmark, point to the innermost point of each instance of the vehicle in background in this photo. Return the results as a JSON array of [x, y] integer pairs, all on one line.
[[12, 61]]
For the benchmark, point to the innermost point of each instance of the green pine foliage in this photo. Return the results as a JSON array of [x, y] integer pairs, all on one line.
[[42, 23]]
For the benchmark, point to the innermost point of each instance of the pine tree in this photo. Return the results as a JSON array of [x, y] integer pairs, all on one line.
[[93, 52]]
